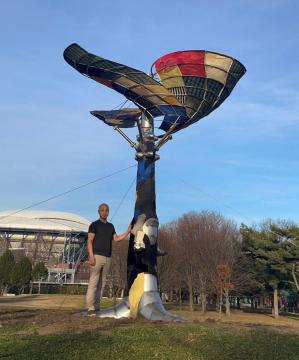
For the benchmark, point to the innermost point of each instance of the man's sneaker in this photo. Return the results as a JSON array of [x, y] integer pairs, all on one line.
[[91, 313]]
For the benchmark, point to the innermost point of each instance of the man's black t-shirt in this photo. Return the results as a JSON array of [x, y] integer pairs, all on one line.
[[102, 243]]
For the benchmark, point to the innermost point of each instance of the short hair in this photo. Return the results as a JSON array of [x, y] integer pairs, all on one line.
[[103, 204]]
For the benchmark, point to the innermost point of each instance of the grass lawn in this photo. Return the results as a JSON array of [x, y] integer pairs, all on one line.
[[143, 340], [57, 333]]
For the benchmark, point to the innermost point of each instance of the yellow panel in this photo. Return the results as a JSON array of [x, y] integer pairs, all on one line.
[[135, 294], [127, 83], [158, 89], [151, 92], [216, 74], [172, 100], [142, 90], [150, 89], [169, 72], [157, 100], [173, 82], [217, 60]]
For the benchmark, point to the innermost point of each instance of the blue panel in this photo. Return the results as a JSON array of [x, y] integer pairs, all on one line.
[[173, 114]]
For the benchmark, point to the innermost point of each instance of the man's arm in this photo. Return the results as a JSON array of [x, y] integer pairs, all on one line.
[[122, 236], [91, 259]]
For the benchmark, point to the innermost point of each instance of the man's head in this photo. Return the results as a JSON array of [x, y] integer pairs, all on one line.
[[103, 211]]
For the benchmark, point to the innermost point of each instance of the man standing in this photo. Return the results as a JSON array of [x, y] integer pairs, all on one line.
[[99, 247]]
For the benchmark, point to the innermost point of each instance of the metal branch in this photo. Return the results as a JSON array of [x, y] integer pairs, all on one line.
[[163, 141], [134, 145]]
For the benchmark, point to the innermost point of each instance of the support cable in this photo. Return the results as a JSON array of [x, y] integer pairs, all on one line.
[[123, 198], [69, 191], [121, 105]]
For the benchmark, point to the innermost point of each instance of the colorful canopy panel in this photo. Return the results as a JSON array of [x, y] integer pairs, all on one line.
[[201, 80], [149, 95], [192, 84], [124, 118]]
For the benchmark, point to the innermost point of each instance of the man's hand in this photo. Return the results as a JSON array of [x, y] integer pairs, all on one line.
[[92, 260], [122, 236]]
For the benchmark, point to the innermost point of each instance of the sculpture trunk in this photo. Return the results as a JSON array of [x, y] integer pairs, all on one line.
[[144, 297], [142, 253]]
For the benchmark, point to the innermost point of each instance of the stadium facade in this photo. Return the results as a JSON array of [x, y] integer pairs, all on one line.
[[56, 238]]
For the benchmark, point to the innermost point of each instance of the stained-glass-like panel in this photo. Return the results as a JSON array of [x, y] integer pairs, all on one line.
[[208, 78], [192, 84], [124, 118]]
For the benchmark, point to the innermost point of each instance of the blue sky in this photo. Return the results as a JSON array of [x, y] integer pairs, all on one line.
[[242, 160]]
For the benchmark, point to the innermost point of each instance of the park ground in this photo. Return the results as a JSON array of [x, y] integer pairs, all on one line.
[[47, 327]]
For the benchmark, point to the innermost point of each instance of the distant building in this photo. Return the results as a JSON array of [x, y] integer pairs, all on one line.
[[69, 273], [50, 236]]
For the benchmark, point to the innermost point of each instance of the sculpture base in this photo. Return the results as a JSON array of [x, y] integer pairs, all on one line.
[[144, 299], [119, 311]]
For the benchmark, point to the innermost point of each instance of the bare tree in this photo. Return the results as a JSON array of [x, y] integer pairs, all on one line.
[[197, 243], [188, 250], [169, 274], [207, 240], [118, 268]]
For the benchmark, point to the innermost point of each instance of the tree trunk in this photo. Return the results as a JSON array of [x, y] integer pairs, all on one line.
[[203, 297], [227, 303], [252, 303], [275, 303], [190, 287], [180, 297], [171, 295], [111, 291], [262, 301], [220, 302], [5, 291]]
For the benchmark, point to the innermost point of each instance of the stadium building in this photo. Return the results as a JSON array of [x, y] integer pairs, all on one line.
[[56, 238]]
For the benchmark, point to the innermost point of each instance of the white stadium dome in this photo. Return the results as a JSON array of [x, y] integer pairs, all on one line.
[[43, 235], [43, 220]]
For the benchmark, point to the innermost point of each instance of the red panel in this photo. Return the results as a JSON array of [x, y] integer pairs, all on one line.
[[190, 62], [193, 70]]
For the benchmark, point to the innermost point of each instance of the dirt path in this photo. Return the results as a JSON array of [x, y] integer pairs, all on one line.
[[47, 314], [43, 301]]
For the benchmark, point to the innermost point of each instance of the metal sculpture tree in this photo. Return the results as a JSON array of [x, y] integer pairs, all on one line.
[[189, 85]]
